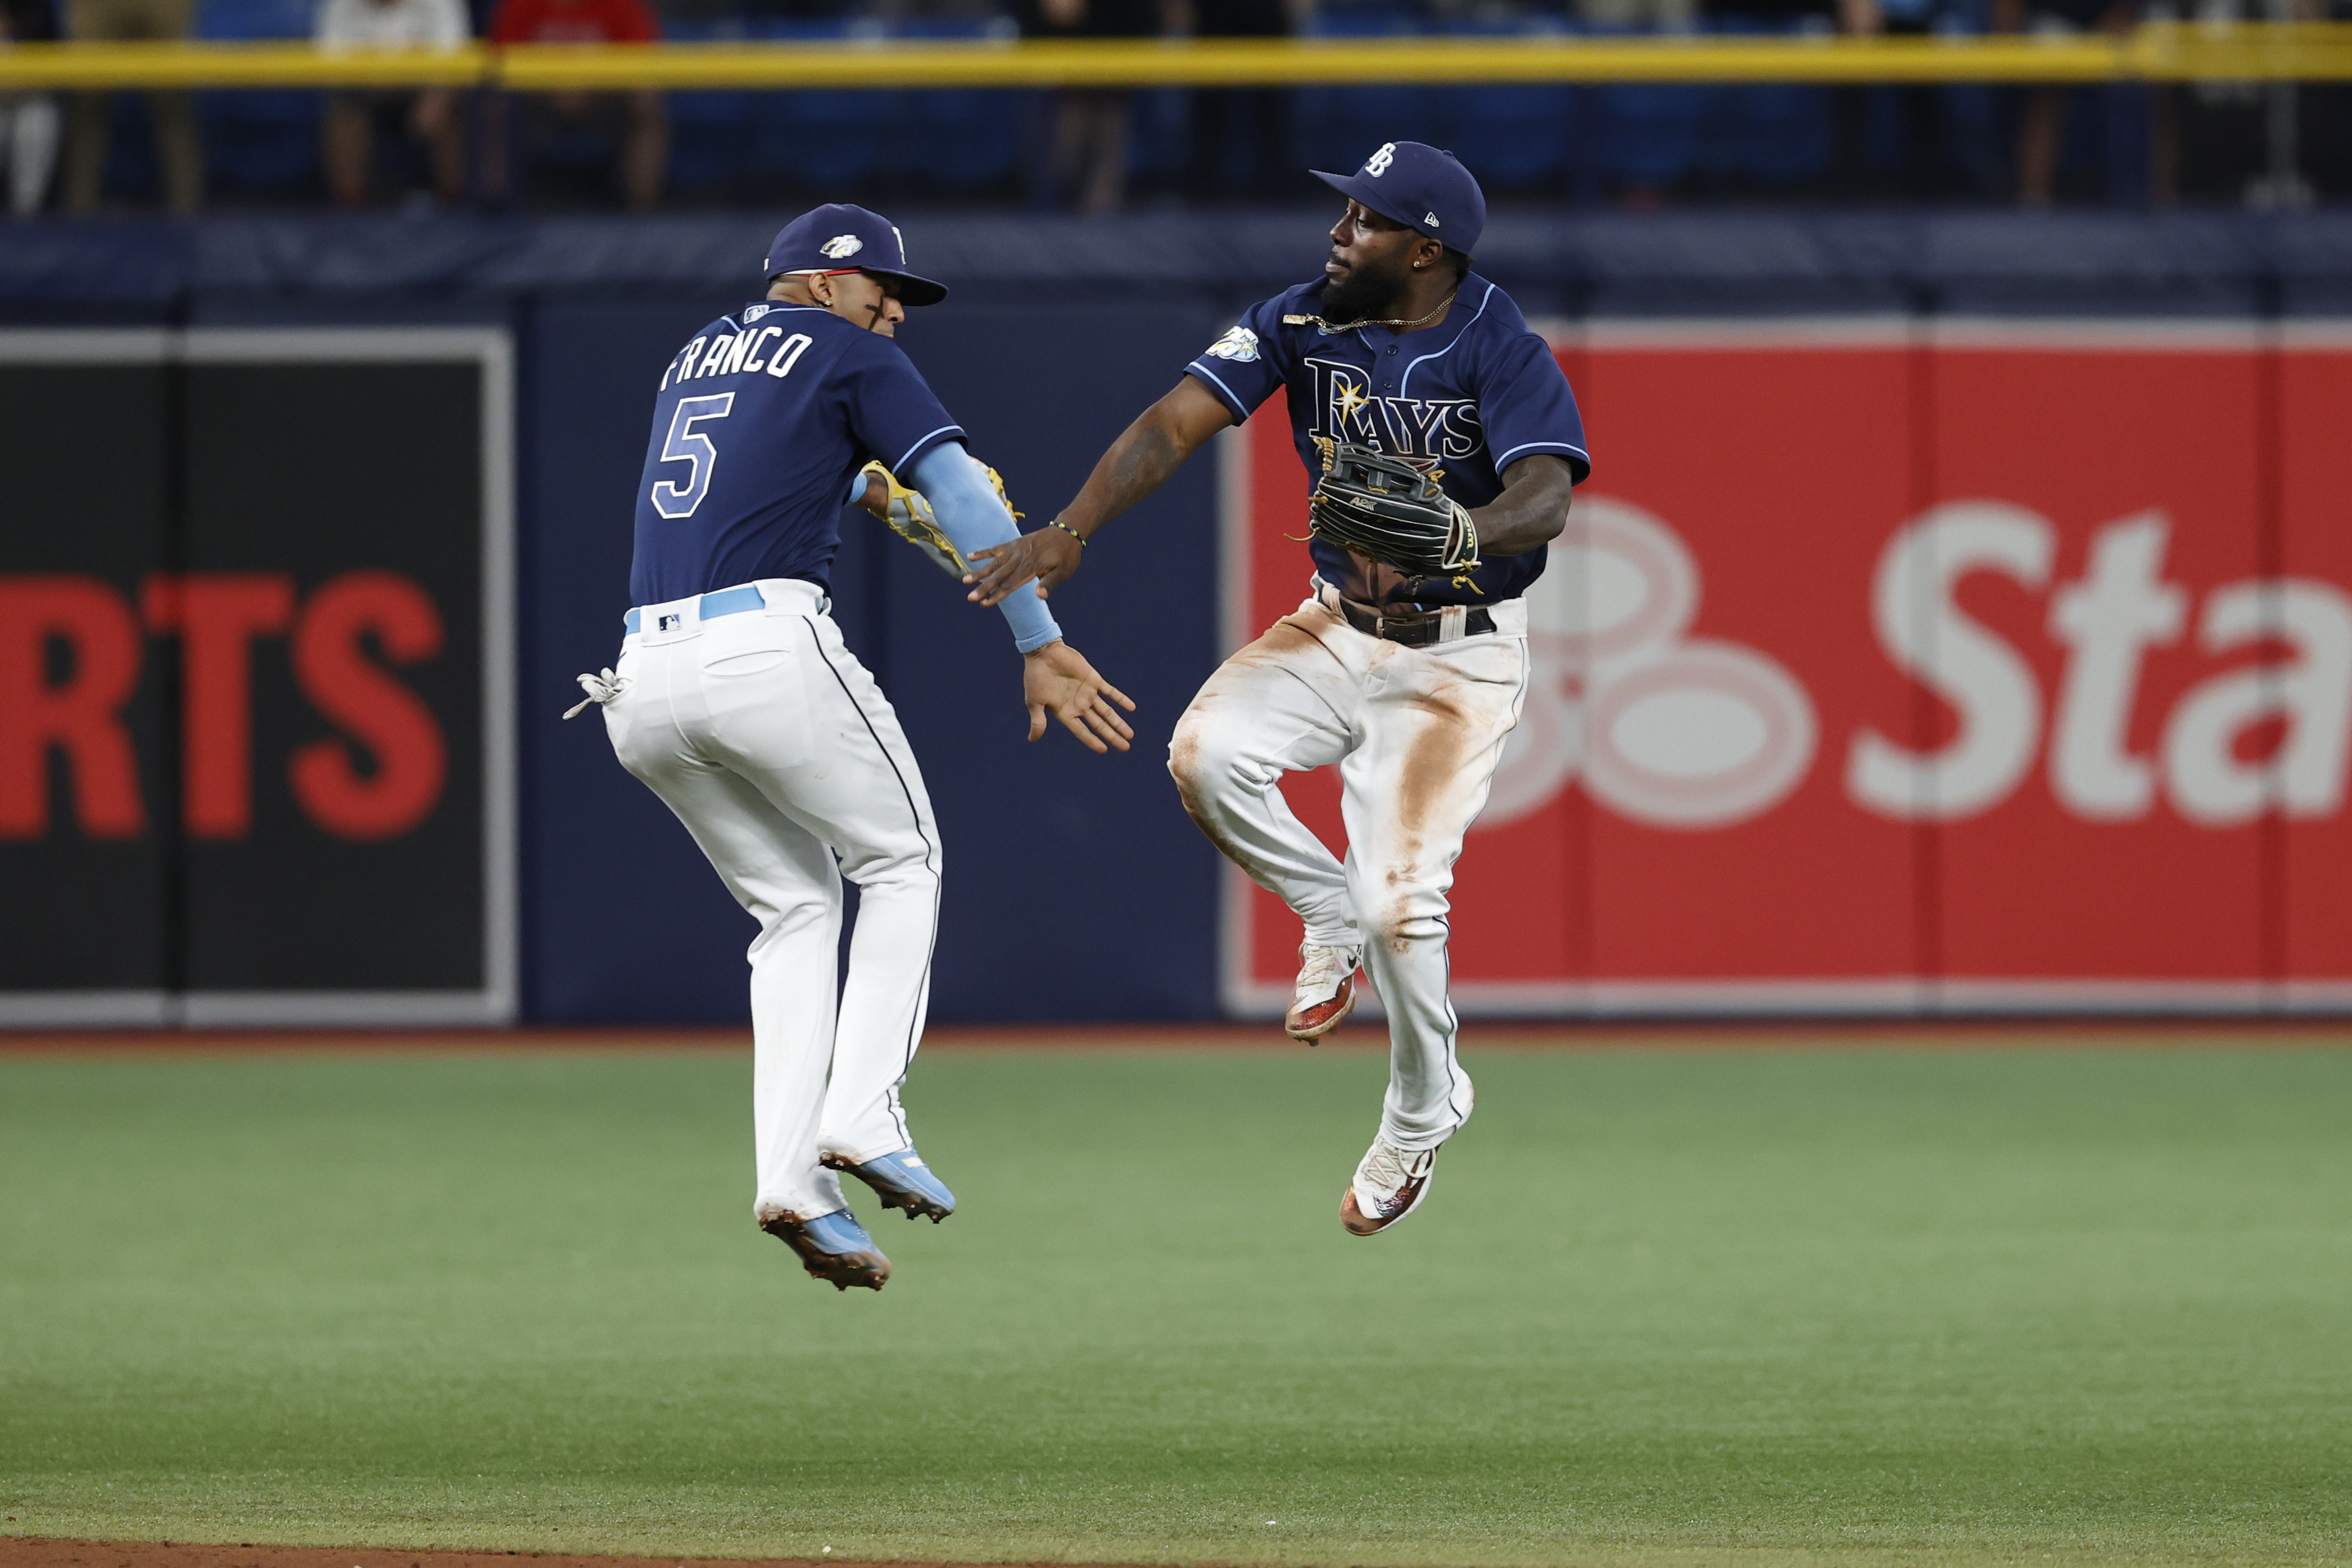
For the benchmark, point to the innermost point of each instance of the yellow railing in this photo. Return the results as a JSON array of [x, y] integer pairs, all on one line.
[[2166, 52]]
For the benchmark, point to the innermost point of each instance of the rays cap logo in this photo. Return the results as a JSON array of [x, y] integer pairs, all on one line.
[[1424, 188], [821, 239]]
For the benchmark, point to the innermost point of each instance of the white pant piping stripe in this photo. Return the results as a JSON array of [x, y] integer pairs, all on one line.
[[1453, 1031], [930, 862]]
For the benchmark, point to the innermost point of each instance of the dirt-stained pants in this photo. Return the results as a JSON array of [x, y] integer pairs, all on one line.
[[1417, 733]]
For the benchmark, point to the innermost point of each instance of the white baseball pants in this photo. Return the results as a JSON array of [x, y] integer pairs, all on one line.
[[776, 749], [1417, 733]]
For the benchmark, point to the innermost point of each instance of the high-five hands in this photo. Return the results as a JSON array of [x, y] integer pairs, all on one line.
[[1047, 554], [1056, 679]]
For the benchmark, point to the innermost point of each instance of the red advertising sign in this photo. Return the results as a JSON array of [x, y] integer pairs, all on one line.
[[1889, 669], [255, 715]]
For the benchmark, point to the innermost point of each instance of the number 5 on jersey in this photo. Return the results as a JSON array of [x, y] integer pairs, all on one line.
[[686, 445]]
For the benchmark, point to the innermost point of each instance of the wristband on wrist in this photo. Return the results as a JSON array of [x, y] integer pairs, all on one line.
[[1065, 528]]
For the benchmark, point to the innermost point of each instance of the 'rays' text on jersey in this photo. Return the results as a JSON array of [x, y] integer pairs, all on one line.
[[1440, 430]]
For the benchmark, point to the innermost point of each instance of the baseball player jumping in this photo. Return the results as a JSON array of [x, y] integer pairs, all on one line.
[[736, 702], [1442, 442]]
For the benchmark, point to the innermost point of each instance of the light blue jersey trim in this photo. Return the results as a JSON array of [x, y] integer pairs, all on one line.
[[1533, 445], [1404, 382], [1241, 415], [900, 465]]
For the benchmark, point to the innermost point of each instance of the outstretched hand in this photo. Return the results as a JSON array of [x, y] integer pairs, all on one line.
[[1056, 679], [1047, 554]]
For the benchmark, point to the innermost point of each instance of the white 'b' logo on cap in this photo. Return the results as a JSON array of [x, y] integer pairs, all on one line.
[[1377, 163]]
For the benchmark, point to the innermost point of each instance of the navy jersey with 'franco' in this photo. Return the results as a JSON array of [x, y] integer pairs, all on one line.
[[759, 424], [1465, 398]]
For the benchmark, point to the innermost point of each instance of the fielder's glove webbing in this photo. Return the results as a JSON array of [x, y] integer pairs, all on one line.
[[1384, 508], [996, 483], [912, 519]]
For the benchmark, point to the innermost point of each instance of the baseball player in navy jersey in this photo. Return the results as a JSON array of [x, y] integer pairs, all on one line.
[[735, 701], [1408, 683]]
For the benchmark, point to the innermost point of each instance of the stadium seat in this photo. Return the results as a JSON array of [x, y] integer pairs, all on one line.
[[820, 145], [1514, 139], [259, 144], [958, 141], [1979, 135], [1338, 127], [234, 19], [1770, 134], [1647, 138], [710, 132], [1159, 139], [131, 169]]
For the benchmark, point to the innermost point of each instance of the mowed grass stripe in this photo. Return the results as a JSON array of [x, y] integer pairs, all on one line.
[[1662, 1307]]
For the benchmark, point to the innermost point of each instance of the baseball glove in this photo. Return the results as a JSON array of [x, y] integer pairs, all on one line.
[[1384, 508], [912, 519]]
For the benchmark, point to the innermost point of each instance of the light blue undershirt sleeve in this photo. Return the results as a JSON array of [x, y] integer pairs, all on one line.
[[970, 515]]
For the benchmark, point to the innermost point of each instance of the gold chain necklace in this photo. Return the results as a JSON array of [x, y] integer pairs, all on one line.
[[1328, 330]]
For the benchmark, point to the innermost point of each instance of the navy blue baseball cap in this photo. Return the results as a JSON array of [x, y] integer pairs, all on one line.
[[836, 237], [1422, 187]]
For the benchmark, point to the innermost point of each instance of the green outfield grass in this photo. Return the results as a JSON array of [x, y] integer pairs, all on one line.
[[1847, 1306]]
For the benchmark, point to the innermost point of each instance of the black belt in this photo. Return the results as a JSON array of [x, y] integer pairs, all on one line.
[[1418, 630]]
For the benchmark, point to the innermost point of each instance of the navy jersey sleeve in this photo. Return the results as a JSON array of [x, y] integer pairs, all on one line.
[[1527, 408], [893, 411], [1240, 366]]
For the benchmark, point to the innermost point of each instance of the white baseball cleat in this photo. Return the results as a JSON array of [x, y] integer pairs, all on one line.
[[1390, 1183], [1326, 992]]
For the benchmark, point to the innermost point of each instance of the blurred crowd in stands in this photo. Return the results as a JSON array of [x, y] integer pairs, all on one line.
[[1097, 152]]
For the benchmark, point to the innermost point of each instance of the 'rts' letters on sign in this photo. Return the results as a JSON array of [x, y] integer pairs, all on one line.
[[70, 656]]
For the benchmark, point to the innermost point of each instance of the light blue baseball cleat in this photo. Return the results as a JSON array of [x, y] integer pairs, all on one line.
[[902, 1181], [834, 1247]]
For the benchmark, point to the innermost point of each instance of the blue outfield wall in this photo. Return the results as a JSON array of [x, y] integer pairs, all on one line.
[[1076, 887]]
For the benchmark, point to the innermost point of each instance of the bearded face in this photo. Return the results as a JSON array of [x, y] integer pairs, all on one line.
[[1369, 292]]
